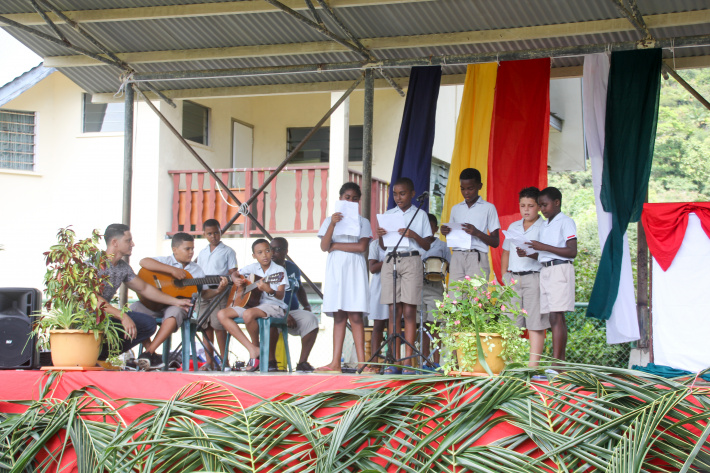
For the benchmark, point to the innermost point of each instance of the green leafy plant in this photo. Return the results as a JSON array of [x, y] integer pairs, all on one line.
[[73, 282], [474, 306]]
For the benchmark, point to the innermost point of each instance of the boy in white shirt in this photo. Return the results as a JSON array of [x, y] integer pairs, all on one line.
[[410, 273], [480, 220], [525, 271], [271, 303], [557, 249], [216, 259]]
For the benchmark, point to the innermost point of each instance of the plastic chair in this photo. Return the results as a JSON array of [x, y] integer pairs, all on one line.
[[265, 325], [187, 332]]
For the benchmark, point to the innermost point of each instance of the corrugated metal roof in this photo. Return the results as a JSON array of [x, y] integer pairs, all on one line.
[[365, 21], [23, 82]]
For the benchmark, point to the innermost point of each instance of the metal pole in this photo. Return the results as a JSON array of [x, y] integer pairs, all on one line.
[[367, 144], [209, 170], [300, 145], [685, 85], [127, 172], [478, 58]]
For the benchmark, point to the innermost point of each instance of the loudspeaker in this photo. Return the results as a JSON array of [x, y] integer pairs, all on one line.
[[18, 307]]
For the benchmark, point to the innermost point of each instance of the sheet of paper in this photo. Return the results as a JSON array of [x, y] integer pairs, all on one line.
[[392, 223], [457, 238], [350, 224], [518, 240]]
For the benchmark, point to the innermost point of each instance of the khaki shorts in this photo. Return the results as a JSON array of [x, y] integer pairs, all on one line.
[[213, 321], [410, 277], [171, 311], [433, 291], [271, 310], [306, 322], [528, 289], [557, 288], [468, 263]]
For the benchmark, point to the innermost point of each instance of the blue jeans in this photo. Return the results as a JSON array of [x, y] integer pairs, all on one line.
[[145, 328]]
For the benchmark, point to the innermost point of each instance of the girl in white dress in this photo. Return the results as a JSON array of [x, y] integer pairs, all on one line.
[[347, 295]]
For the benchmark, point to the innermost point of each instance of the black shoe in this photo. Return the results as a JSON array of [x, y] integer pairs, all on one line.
[[305, 367], [150, 361], [273, 366]]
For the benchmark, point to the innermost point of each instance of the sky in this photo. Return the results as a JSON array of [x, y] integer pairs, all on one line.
[[16, 58]]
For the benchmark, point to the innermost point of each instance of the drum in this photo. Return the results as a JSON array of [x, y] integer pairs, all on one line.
[[435, 268]]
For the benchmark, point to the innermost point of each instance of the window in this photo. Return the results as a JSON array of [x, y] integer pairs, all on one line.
[[317, 149], [17, 140], [102, 117], [195, 122]]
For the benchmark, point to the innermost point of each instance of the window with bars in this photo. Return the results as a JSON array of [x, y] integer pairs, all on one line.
[[17, 140]]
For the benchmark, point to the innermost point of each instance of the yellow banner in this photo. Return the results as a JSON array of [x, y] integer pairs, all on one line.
[[473, 130]]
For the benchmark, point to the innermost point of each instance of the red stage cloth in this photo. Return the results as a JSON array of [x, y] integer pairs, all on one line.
[[665, 226], [517, 155]]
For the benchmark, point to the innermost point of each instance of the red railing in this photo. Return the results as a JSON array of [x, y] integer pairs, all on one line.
[[279, 208]]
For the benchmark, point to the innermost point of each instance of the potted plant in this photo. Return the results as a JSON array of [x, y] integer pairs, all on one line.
[[75, 322], [476, 327]]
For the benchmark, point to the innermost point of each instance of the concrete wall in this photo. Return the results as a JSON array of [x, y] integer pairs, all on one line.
[[77, 181]]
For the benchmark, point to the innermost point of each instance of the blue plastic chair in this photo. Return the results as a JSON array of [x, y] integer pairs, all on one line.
[[265, 325], [187, 332]]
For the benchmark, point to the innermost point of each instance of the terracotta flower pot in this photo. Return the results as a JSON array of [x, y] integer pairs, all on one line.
[[492, 347], [74, 347]]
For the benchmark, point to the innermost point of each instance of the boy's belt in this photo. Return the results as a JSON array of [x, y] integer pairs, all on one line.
[[404, 254], [472, 251], [555, 262], [523, 273]]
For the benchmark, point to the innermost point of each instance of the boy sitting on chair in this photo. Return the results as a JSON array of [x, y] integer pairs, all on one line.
[[271, 303], [178, 265], [300, 322]]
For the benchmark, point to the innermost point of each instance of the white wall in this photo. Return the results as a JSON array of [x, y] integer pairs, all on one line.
[[78, 181]]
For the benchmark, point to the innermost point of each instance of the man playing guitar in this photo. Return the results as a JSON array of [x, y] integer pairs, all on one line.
[[178, 265]]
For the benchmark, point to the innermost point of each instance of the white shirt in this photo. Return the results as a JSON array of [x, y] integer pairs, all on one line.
[[482, 215], [556, 232], [376, 253], [365, 232], [217, 262], [438, 249], [420, 226], [256, 269], [193, 268], [520, 264]]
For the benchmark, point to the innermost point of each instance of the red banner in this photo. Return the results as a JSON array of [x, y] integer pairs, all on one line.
[[517, 155]]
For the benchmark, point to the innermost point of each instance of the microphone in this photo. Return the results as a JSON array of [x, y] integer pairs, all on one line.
[[423, 197]]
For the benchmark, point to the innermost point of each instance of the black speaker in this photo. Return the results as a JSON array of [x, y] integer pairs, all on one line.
[[18, 307]]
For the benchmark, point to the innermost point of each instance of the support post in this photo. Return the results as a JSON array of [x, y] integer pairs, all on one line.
[[127, 172], [367, 144], [339, 149]]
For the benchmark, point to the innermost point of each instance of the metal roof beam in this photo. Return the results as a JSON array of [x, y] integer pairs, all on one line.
[[398, 42], [183, 11], [452, 59], [333, 86]]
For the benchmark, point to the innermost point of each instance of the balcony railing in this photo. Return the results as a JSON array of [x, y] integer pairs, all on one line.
[[280, 208]]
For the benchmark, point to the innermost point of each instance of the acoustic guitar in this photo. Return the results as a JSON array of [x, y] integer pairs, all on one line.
[[250, 295], [166, 283]]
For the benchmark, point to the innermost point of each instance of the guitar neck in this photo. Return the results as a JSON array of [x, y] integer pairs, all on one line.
[[208, 280]]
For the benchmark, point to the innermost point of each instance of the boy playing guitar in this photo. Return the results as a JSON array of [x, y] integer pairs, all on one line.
[[271, 302]]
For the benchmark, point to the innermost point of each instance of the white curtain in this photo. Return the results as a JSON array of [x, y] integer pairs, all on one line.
[[681, 326], [622, 326]]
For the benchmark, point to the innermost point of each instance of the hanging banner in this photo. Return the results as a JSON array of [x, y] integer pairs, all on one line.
[[416, 135], [517, 156]]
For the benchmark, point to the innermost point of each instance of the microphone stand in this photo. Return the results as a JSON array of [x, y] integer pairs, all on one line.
[[390, 343]]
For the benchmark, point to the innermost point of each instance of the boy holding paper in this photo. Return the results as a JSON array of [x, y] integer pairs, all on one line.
[[524, 269], [347, 294], [479, 220], [410, 272]]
